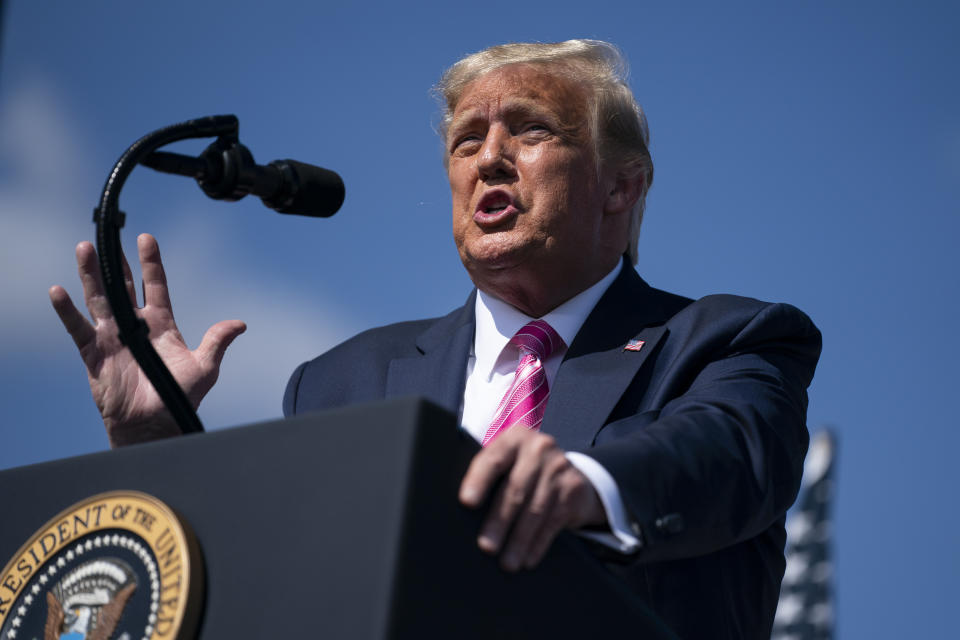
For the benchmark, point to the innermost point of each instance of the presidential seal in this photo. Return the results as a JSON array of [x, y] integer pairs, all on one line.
[[119, 565]]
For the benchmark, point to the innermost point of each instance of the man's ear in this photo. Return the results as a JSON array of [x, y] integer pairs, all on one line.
[[625, 189]]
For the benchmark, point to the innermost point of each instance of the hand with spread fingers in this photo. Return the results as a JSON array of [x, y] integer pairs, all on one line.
[[542, 493], [131, 409]]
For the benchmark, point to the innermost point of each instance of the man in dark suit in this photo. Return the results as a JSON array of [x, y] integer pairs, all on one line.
[[669, 430], [701, 428]]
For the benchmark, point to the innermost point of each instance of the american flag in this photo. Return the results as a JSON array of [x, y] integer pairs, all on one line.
[[806, 607]]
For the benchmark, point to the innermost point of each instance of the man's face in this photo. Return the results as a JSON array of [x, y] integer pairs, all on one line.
[[528, 205]]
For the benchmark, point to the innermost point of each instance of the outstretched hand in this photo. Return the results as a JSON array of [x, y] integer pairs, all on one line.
[[542, 493], [131, 409]]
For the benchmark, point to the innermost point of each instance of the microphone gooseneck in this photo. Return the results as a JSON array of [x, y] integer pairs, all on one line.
[[225, 170]]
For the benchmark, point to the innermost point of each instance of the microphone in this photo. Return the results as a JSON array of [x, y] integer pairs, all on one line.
[[226, 171]]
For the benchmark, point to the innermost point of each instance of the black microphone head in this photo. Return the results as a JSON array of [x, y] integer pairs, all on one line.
[[307, 190]]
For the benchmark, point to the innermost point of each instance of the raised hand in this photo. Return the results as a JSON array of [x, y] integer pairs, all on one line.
[[131, 409]]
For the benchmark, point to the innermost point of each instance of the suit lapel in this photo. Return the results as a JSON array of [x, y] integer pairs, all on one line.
[[591, 380], [597, 370], [438, 372]]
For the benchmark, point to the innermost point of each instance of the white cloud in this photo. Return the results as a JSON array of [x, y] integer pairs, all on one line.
[[39, 217]]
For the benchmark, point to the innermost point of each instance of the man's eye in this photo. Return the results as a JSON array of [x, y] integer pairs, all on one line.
[[535, 127], [465, 141]]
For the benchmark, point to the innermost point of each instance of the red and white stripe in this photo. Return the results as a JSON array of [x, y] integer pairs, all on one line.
[[525, 400]]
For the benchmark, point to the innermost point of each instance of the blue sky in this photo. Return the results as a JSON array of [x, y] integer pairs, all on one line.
[[807, 153]]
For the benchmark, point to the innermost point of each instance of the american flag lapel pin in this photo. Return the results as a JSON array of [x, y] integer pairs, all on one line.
[[634, 345]]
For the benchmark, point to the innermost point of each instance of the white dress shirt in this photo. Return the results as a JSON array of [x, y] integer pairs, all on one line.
[[490, 371]]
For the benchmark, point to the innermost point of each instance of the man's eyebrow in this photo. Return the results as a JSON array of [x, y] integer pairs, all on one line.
[[527, 106], [464, 118], [511, 107], [549, 113]]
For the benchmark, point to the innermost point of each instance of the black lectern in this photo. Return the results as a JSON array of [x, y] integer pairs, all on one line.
[[342, 524]]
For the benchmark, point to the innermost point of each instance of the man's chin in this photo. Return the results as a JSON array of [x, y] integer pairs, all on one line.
[[498, 262]]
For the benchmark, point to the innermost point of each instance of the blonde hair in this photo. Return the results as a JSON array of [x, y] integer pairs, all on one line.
[[618, 124]]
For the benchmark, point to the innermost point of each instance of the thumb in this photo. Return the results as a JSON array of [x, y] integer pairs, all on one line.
[[216, 340]]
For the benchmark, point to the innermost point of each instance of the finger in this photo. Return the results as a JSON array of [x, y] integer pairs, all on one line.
[[507, 503], [513, 497], [485, 469], [560, 506], [576, 503], [543, 513], [215, 342], [541, 543], [155, 292], [93, 294], [128, 279], [77, 326]]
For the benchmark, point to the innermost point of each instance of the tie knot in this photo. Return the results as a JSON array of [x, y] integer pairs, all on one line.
[[538, 338]]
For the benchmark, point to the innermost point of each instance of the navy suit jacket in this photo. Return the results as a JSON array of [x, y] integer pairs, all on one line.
[[703, 428]]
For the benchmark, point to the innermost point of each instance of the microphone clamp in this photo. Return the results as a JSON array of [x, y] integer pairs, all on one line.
[[226, 170]]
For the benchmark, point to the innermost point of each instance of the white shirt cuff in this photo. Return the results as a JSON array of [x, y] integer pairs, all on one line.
[[621, 536]]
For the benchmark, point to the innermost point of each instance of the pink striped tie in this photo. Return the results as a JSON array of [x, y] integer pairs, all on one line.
[[526, 399]]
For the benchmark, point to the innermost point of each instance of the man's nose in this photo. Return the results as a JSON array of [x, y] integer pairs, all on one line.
[[496, 157]]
